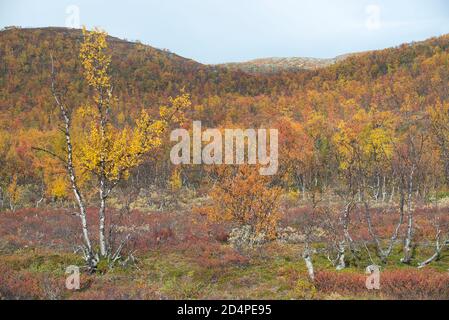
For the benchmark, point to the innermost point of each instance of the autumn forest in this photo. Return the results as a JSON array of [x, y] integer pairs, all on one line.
[[86, 178]]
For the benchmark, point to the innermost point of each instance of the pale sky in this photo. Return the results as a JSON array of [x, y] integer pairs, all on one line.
[[216, 31]]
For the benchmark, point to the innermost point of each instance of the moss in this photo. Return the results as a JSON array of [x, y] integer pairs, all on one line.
[[304, 290], [41, 261], [277, 272]]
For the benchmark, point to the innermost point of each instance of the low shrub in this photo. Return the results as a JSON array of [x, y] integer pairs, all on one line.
[[394, 284]]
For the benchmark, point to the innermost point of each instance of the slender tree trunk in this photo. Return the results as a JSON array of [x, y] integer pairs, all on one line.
[[371, 229], [437, 253], [392, 194], [104, 194], [395, 235], [76, 190], [102, 218], [89, 255], [103, 111], [38, 202], [307, 256], [408, 239], [341, 257], [377, 188], [346, 217], [303, 187], [2, 199], [347, 237], [446, 167]]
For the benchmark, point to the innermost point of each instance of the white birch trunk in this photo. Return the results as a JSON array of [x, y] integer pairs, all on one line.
[[436, 255], [102, 218], [341, 257], [408, 239], [90, 258], [309, 264]]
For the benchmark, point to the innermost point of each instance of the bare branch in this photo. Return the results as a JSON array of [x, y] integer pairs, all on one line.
[[50, 153]]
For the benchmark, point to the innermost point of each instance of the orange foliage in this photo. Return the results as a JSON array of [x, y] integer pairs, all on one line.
[[241, 195]]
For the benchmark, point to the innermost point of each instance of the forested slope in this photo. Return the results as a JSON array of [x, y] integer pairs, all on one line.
[[405, 81]]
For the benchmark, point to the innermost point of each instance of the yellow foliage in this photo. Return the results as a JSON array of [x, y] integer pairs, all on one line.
[[94, 59], [174, 113], [315, 124], [105, 151], [439, 116], [15, 192], [367, 136], [175, 180], [117, 151], [58, 188]]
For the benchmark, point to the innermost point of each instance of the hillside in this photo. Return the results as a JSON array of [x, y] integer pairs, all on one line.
[[145, 77]]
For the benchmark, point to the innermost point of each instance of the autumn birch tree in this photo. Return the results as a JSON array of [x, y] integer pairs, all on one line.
[[106, 153]]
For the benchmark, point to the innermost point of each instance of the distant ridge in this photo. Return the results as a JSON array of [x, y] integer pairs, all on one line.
[[273, 65]]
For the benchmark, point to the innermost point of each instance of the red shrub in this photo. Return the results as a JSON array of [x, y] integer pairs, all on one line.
[[25, 285], [211, 254], [342, 283], [395, 284], [415, 284]]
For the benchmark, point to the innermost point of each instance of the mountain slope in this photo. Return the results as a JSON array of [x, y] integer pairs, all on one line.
[[145, 77], [405, 81]]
